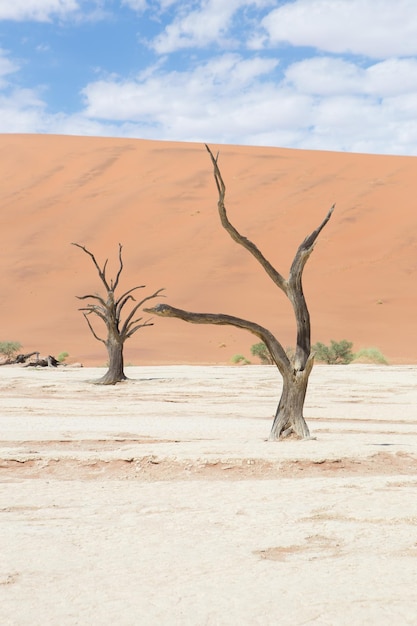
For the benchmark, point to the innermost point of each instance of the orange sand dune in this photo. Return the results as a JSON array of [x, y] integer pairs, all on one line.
[[159, 200]]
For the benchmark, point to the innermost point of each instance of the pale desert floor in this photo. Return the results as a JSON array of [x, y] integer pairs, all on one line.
[[159, 502]]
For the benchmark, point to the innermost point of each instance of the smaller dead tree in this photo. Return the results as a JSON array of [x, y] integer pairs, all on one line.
[[109, 311]]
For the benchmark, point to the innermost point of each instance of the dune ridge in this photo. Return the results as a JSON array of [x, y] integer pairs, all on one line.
[[159, 200]]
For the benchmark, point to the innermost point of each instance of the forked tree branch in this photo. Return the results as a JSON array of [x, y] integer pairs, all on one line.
[[96, 310], [305, 249], [95, 297], [101, 272], [92, 329], [132, 328], [126, 293], [234, 233], [127, 323], [116, 282], [293, 286], [120, 302], [296, 295]]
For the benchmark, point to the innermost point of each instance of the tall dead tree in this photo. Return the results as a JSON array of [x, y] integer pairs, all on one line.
[[109, 310], [295, 371]]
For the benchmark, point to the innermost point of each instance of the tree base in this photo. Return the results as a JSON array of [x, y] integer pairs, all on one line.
[[291, 436], [108, 379]]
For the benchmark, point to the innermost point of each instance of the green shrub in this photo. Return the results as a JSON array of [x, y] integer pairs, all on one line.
[[261, 351], [240, 359], [62, 356], [371, 355], [9, 348], [338, 353]]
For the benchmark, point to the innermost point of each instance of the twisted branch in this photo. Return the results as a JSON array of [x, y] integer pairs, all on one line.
[[275, 348], [234, 233]]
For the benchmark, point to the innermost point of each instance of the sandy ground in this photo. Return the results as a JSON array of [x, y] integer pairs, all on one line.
[[158, 501]]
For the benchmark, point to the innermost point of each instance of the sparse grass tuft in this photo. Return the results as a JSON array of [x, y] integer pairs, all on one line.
[[370, 355], [261, 351], [239, 359], [9, 348]]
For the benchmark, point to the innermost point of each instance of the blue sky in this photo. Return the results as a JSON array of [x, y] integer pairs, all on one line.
[[315, 74]]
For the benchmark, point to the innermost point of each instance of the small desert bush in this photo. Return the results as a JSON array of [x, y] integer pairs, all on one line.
[[261, 351], [370, 355], [62, 356], [9, 348], [239, 359], [337, 353]]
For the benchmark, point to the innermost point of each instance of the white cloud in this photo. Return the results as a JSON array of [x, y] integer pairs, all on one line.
[[375, 28], [210, 22], [20, 111], [330, 76], [325, 76], [321, 103], [157, 5], [219, 101], [392, 77], [37, 10], [135, 5], [19, 107], [359, 124], [24, 111], [165, 95], [231, 100], [7, 67], [196, 28]]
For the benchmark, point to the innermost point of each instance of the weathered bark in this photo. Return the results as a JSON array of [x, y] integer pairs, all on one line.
[[22, 358], [49, 361], [289, 417], [109, 311], [115, 373]]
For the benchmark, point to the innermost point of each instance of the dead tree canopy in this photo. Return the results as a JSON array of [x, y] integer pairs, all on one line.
[[289, 417], [109, 309]]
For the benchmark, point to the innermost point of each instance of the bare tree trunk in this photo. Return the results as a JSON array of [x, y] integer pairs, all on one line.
[[115, 373], [289, 418]]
